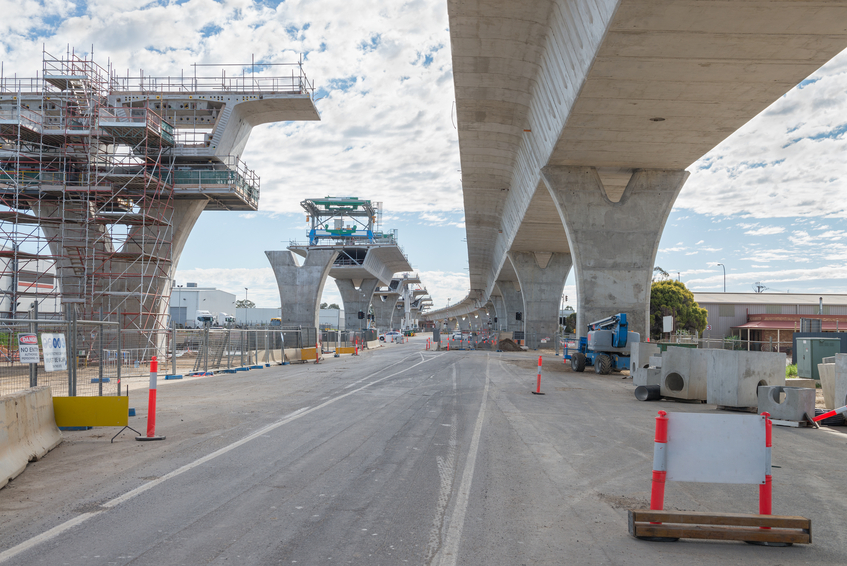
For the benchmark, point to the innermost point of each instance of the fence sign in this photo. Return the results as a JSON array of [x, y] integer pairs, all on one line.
[[28, 348], [667, 324], [55, 352]]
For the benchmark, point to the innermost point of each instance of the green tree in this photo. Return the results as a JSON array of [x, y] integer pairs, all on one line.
[[672, 298], [330, 306], [245, 304]]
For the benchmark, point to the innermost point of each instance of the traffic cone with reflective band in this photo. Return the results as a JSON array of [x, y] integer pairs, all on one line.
[[151, 404], [538, 387]]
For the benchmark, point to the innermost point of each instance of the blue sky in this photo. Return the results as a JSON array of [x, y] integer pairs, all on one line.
[[769, 202]]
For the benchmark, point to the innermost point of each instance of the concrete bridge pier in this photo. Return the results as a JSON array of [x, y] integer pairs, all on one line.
[[356, 295], [464, 323], [497, 311], [512, 303], [542, 277], [301, 286], [613, 244], [384, 307]]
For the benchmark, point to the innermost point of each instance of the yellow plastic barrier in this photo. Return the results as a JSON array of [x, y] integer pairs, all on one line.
[[91, 411]]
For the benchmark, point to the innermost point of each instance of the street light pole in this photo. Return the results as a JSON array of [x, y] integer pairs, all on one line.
[[724, 276]]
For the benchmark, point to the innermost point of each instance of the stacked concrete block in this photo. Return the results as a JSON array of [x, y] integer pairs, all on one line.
[[827, 375], [683, 373], [734, 377], [787, 403], [641, 353]]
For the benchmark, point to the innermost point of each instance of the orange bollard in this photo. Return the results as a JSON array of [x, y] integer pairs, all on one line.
[[151, 404], [538, 387]]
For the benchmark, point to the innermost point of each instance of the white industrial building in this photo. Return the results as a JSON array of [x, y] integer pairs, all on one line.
[[186, 301], [25, 279]]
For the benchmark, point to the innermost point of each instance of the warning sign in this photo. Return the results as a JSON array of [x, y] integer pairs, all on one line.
[[28, 348], [55, 352]]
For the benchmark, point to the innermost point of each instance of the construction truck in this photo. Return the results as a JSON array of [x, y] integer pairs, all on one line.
[[606, 347]]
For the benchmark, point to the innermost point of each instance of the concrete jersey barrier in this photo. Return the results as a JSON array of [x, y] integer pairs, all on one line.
[[27, 430]]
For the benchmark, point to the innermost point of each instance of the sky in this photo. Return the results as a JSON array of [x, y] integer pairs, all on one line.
[[768, 203]]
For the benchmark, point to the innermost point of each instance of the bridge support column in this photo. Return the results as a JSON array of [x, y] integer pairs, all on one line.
[[384, 307], [498, 312], [356, 295], [542, 277], [512, 303], [613, 244], [464, 323], [301, 286]]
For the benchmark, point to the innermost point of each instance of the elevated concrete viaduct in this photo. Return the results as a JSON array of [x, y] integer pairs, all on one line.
[[357, 271], [578, 118]]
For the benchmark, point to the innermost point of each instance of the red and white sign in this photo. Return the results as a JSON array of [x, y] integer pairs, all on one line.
[[28, 348]]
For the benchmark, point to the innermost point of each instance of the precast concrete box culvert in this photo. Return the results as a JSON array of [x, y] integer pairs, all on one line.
[[639, 364], [683, 373], [785, 403], [733, 377]]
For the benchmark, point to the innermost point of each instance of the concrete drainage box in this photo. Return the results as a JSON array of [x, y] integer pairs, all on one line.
[[639, 364], [787, 403], [733, 377], [683, 373]]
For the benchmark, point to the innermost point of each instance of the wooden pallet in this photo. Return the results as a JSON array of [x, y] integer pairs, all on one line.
[[644, 523]]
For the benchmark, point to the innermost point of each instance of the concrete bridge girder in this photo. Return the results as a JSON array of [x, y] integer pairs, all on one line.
[[608, 84]]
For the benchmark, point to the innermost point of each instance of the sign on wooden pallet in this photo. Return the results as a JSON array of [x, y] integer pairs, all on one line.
[[695, 447]]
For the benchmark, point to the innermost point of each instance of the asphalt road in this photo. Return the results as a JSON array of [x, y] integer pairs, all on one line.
[[399, 456]]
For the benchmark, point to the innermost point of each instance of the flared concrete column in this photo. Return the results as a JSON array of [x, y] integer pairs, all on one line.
[[139, 277], [301, 286], [512, 303], [498, 311], [356, 295], [542, 277], [464, 323], [384, 307], [613, 244]]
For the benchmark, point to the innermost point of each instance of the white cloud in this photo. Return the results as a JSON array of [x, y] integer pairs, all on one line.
[[786, 162], [766, 231]]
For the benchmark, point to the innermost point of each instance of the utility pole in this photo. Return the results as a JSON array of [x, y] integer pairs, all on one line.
[[724, 276]]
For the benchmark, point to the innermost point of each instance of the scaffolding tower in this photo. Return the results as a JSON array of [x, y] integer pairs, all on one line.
[[97, 172]]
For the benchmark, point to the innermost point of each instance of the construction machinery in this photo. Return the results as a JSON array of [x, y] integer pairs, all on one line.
[[606, 347]]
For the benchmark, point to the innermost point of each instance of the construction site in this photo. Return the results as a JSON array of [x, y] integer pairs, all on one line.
[[103, 175]]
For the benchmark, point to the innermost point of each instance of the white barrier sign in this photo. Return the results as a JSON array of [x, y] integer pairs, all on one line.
[[716, 448], [55, 352], [28, 348], [667, 324]]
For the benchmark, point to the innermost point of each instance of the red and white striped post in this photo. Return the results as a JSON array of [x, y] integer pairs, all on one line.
[[538, 387], [828, 414], [660, 462], [766, 489], [151, 404]]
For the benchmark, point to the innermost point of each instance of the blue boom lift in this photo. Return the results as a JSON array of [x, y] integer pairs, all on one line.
[[606, 347]]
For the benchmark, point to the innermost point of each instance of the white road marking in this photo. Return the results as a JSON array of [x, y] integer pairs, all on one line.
[[446, 473], [59, 529], [450, 550]]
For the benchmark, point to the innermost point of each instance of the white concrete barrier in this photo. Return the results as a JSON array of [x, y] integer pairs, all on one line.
[[639, 364], [27, 430]]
